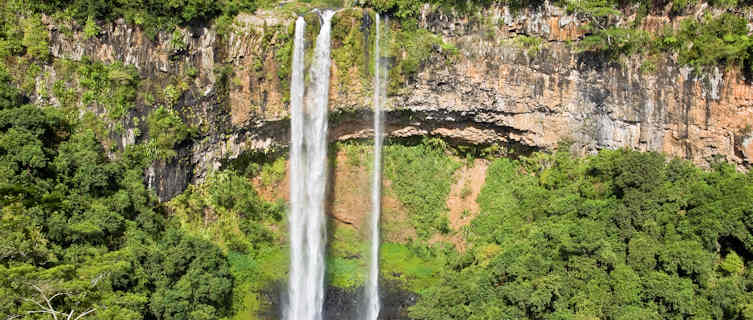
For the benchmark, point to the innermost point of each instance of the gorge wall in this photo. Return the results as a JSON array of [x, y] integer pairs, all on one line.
[[483, 88]]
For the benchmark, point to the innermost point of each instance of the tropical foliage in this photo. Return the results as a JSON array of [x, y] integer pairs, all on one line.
[[81, 230], [620, 235]]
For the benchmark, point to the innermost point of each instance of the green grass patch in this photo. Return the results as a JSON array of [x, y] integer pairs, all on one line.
[[357, 154], [253, 273], [346, 241], [413, 270], [345, 273], [347, 257]]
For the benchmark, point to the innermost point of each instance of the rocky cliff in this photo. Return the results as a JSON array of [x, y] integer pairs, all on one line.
[[487, 89]]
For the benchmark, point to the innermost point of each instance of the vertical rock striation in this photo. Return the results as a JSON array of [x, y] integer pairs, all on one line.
[[491, 91]]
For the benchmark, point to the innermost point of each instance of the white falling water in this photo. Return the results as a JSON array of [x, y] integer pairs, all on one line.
[[372, 285], [297, 178], [308, 167]]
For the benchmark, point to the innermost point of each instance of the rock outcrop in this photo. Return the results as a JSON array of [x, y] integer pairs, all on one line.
[[493, 91]]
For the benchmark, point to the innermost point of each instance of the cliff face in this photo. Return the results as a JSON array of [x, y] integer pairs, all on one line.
[[493, 90], [558, 94]]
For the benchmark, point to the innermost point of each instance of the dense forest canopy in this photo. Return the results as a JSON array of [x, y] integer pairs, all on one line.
[[83, 228], [619, 235]]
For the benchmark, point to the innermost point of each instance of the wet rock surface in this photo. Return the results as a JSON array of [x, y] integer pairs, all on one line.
[[345, 303]]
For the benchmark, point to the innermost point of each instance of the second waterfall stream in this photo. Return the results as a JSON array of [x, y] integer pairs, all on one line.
[[372, 302]]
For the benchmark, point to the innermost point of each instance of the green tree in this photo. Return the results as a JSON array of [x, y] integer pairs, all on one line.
[[193, 280]]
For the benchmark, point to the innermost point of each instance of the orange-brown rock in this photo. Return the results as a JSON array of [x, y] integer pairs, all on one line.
[[491, 92]]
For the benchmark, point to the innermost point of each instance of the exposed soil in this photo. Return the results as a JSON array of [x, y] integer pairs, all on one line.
[[350, 187], [348, 201], [461, 202], [274, 192], [463, 194]]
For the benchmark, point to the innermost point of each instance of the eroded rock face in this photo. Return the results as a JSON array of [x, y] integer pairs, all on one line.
[[557, 95], [492, 91]]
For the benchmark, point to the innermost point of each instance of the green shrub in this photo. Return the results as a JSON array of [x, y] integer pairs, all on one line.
[[284, 58], [166, 130], [9, 94], [172, 93], [722, 40], [152, 15], [177, 41], [226, 210], [35, 37], [406, 9], [679, 6], [348, 49], [733, 264], [192, 71], [531, 44], [713, 41], [91, 28], [616, 41], [113, 86], [273, 173], [400, 8], [77, 223], [421, 177], [411, 48], [726, 3]]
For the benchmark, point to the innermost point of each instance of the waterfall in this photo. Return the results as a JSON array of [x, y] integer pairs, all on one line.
[[308, 174], [372, 286], [297, 171]]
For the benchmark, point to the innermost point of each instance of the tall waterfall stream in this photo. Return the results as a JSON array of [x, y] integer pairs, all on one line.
[[308, 180], [372, 302]]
